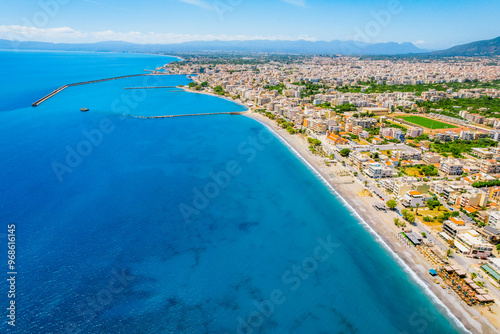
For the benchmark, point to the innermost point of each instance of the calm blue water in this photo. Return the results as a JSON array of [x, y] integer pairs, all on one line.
[[183, 225]]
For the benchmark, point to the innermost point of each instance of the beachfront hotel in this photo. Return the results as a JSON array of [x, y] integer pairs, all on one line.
[[470, 244]]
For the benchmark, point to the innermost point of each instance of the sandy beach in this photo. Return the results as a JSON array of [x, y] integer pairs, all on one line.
[[382, 227]]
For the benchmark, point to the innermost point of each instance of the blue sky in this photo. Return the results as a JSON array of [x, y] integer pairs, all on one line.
[[428, 24]]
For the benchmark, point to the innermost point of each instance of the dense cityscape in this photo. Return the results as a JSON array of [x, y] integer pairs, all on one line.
[[245, 167], [420, 135]]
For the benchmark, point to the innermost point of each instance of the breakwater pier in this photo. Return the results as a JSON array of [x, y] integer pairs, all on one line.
[[60, 89], [234, 113]]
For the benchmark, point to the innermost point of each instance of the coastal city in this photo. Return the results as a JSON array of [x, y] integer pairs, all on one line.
[[421, 139], [250, 167]]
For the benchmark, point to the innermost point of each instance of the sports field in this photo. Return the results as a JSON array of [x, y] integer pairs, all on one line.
[[427, 123]]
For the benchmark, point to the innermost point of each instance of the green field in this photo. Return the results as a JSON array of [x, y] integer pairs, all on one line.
[[427, 123]]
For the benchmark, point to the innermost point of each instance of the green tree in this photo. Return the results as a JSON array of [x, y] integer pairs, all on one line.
[[219, 90], [345, 152], [392, 204], [432, 203]]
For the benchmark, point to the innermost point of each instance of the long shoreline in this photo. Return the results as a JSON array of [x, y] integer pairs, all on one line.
[[468, 320]]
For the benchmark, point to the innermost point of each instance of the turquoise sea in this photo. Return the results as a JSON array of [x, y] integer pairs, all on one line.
[[181, 225]]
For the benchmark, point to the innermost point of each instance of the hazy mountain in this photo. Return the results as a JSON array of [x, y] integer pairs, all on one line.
[[481, 48], [277, 46]]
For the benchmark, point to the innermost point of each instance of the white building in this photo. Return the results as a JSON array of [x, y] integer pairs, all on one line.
[[415, 132], [469, 243], [413, 199], [378, 171], [494, 219], [451, 167]]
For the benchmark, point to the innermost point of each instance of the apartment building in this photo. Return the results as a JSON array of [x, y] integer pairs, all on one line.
[[431, 158], [467, 135], [473, 197], [482, 153], [399, 186], [469, 243], [451, 167], [489, 166], [494, 219], [413, 199], [454, 226], [407, 155], [316, 125], [359, 159], [378, 171], [414, 132], [365, 123]]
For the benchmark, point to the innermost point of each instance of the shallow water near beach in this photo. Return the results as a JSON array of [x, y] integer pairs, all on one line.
[[182, 225]]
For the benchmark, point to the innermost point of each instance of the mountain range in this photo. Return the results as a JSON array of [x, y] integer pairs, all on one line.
[[481, 48], [268, 46], [349, 48]]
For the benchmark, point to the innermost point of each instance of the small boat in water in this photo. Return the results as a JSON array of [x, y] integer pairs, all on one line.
[[84, 109]]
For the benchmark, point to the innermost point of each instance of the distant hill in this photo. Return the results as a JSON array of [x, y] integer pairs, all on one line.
[[276, 46], [481, 48]]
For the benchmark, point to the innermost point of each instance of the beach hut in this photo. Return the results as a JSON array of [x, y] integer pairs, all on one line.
[[468, 281], [487, 298], [414, 238], [460, 272], [481, 299], [449, 269]]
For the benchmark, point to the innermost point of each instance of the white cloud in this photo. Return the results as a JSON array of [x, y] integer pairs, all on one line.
[[199, 3], [419, 42], [298, 3], [69, 35], [24, 33]]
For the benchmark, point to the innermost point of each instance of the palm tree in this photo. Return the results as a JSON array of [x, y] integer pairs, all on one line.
[[449, 252], [416, 212], [396, 221]]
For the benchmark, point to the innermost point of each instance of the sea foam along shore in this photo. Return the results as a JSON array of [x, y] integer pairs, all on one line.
[[414, 265]]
